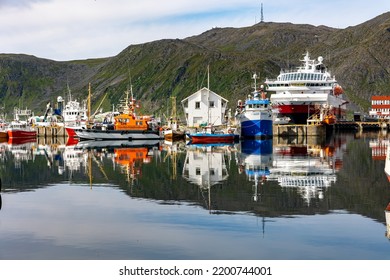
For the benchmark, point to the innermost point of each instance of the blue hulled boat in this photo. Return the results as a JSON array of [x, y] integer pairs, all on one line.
[[255, 115]]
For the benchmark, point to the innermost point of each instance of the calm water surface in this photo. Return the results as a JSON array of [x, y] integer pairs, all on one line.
[[277, 199]]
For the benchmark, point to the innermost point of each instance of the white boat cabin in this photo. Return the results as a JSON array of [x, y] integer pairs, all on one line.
[[205, 107]]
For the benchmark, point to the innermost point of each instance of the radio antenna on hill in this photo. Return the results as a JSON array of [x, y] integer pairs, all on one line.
[[262, 15]]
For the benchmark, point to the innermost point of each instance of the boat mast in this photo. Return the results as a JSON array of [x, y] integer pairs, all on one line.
[[208, 94], [89, 104]]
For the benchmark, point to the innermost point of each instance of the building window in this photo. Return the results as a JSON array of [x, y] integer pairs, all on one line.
[[211, 104], [197, 105]]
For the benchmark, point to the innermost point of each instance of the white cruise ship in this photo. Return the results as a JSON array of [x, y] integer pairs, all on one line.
[[307, 91]]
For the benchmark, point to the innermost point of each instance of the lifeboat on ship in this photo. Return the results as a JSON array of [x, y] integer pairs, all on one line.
[[337, 90]]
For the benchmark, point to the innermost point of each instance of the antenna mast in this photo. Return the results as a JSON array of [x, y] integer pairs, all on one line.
[[262, 15]]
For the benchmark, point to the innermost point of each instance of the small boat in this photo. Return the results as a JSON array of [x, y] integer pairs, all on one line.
[[172, 131], [209, 135], [4, 135], [281, 120]]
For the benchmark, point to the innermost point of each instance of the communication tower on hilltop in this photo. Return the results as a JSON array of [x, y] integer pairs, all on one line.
[[262, 15]]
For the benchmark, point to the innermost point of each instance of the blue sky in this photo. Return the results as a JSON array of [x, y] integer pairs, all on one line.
[[81, 29]]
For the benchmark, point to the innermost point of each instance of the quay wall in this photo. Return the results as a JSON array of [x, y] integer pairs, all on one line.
[[51, 131]]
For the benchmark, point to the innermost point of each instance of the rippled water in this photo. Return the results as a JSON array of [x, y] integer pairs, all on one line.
[[278, 199]]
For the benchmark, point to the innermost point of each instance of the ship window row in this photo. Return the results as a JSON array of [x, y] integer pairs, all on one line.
[[380, 102], [302, 85], [302, 76], [250, 106]]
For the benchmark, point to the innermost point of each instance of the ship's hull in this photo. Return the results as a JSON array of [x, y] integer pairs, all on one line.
[[300, 106], [20, 133], [256, 123], [208, 138], [96, 144], [300, 113], [256, 128], [129, 135]]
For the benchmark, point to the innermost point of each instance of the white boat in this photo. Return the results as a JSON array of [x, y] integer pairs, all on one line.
[[303, 92], [255, 115]]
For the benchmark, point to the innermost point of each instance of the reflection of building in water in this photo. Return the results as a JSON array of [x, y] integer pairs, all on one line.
[[387, 215], [172, 149], [379, 148], [309, 168], [255, 158], [205, 165]]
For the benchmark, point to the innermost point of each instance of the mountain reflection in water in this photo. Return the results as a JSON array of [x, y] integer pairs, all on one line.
[[156, 200]]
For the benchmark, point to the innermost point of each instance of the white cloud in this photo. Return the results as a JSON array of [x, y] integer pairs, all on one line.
[[78, 29]]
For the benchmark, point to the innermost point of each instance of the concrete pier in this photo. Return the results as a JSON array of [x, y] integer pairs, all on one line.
[[299, 130], [51, 131]]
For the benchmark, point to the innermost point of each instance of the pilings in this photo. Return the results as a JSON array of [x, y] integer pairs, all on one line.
[[319, 129]]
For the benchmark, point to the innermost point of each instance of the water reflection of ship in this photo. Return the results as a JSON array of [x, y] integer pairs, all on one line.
[[131, 159], [255, 158], [205, 166], [387, 216], [172, 149], [310, 167], [20, 149]]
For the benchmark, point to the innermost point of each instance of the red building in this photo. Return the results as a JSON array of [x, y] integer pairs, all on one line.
[[380, 106]]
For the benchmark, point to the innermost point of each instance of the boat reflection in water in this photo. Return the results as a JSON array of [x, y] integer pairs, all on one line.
[[128, 155], [21, 149], [310, 167], [255, 158], [205, 166], [387, 216]]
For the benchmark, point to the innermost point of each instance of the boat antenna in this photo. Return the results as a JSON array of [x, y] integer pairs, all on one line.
[[208, 76]]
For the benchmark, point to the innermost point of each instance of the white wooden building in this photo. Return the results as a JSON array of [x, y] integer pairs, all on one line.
[[205, 107]]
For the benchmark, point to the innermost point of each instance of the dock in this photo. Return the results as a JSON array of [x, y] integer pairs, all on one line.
[[319, 129], [51, 131]]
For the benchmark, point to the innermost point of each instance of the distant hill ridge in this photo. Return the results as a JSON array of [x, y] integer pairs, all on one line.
[[359, 57]]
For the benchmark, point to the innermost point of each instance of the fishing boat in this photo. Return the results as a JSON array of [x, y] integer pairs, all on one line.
[[172, 132], [255, 115], [19, 128], [302, 92], [210, 135], [127, 126]]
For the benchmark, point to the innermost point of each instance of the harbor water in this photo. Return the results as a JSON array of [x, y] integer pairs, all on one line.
[[303, 198]]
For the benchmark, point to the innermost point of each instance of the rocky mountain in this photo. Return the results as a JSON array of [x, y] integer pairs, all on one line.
[[359, 57]]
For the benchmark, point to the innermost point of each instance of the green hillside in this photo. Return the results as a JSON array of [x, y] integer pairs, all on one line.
[[358, 56]]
